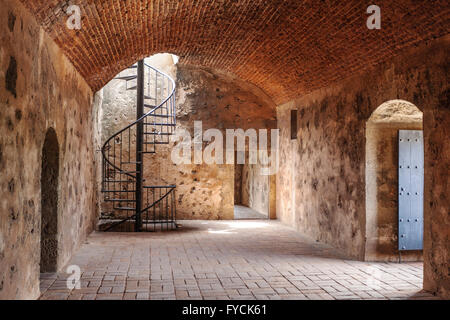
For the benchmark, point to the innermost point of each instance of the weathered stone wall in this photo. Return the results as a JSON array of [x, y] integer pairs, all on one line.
[[39, 89], [435, 101], [256, 189], [321, 182], [204, 191]]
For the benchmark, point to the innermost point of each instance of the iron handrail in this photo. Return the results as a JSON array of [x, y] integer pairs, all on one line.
[[137, 121], [161, 198], [120, 169]]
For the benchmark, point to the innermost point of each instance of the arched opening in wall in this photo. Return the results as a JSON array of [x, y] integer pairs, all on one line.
[[394, 183], [49, 202], [204, 191], [138, 150]]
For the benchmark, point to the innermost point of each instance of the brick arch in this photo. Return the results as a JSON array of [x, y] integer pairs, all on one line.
[[286, 47]]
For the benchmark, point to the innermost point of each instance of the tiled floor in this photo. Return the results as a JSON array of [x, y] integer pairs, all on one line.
[[245, 213], [227, 260]]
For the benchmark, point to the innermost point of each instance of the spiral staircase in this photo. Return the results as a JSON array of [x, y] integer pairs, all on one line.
[[136, 205]]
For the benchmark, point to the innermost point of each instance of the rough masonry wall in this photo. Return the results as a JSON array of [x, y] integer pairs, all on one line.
[[436, 119], [223, 102], [255, 189], [204, 191], [320, 185], [39, 89]]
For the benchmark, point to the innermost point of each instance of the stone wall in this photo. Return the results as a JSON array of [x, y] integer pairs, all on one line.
[[40, 89], [321, 182], [255, 189], [221, 101]]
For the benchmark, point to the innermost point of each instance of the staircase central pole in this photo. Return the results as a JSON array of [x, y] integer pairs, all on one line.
[[139, 143]]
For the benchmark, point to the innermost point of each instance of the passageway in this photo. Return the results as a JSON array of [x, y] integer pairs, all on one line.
[[227, 260], [300, 82], [49, 203], [243, 213]]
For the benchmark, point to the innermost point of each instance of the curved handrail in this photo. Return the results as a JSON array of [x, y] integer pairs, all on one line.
[[171, 188], [117, 151], [137, 121]]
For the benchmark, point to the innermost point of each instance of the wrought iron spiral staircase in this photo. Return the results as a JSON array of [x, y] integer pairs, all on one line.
[[137, 206]]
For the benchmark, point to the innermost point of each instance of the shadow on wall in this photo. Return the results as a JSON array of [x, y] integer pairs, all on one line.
[[49, 203], [382, 178]]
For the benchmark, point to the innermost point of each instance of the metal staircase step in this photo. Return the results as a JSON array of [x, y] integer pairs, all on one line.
[[162, 108], [156, 111], [127, 78], [156, 142], [160, 115], [125, 208], [159, 133], [160, 124]]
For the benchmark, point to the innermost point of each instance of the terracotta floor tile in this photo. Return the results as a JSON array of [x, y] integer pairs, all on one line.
[[227, 260]]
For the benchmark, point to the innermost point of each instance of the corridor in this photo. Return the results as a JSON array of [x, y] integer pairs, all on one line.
[[227, 260], [270, 130]]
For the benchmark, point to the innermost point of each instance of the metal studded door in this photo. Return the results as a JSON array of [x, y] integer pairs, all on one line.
[[410, 186]]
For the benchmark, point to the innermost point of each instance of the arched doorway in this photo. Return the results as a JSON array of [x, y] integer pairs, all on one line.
[[384, 129], [49, 202]]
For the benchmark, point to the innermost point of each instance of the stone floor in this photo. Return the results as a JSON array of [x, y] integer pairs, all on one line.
[[243, 213], [227, 260]]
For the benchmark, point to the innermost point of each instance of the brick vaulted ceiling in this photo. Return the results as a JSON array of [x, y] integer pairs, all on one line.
[[287, 48]]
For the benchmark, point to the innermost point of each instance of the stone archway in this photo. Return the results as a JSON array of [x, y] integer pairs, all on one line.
[[382, 178], [49, 202]]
